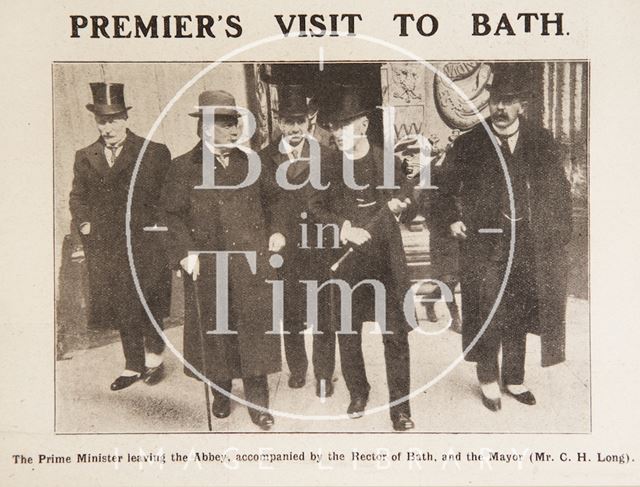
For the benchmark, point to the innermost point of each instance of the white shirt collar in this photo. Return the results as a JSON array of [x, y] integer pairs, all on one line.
[[512, 133], [290, 149], [118, 144], [363, 150], [222, 157]]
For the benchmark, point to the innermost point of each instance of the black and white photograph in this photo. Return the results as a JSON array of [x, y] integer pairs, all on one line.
[[336, 247]]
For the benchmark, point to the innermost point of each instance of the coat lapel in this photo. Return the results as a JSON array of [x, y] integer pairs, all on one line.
[[128, 155], [299, 168], [97, 159]]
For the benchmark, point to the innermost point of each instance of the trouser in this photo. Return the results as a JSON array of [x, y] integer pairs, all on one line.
[[114, 299], [324, 340], [396, 356], [514, 344], [294, 351], [324, 354], [256, 392], [135, 340], [517, 311], [138, 335]]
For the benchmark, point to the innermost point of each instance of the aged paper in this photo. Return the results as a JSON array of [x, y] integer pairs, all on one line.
[[394, 242]]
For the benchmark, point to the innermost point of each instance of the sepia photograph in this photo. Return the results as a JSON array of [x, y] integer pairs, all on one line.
[[372, 247], [348, 243]]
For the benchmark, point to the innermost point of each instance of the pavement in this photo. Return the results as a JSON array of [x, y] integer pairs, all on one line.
[[84, 403], [444, 387]]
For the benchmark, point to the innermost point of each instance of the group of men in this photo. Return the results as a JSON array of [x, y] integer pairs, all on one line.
[[346, 228]]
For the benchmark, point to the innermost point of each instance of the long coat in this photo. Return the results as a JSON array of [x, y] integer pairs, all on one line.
[[475, 193], [223, 220], [99, 196], [382, 258], [303, 258], [443, 249]]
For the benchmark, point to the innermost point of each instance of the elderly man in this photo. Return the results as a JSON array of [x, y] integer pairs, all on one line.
[[367, 217], [98, 203], [233, 219], [477, 207], [304, 259]]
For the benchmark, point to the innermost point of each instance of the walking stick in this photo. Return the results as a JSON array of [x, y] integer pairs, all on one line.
[[196, 292], [374, 222]]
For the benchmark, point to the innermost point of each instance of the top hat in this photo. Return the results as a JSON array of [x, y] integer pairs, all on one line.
[[342, 103], [292, 101], [108, 99], [511, 80], [218, 99]]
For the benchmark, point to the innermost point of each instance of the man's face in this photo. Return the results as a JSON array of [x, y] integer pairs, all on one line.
[[224, 130], [348, 134], [112, 128], [294, 128], [505, 110]]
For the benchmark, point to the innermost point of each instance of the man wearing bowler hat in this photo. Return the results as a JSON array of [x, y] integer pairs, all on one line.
[[367, 217], [304, 257], [224, 219], [476, 204], [98, 203]]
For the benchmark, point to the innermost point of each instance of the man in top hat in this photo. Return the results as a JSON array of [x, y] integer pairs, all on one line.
[[303, 257], [216, 219], [475, 198], [367, 217], [98, 203]]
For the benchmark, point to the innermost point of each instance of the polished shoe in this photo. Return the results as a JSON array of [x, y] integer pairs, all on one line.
[[491, 404], [297, 381], [221, 407], [356, 407], [124, 381], [153, 375], [328, 388], [403, 422], [525, 397], [263, 420]]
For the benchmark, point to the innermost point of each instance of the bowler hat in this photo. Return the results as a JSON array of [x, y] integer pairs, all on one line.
[[293, 101], [108, 99], [342, 103], [510, 80], [220, 99]]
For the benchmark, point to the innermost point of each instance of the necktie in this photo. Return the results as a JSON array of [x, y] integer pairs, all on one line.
[[223, 159], [504, 143], [114, 152]]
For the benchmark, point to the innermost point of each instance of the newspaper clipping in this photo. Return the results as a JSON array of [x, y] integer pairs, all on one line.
[[345, 244]]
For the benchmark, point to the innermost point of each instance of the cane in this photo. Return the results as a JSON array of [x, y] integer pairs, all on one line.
[[196, 292], [373, 223]]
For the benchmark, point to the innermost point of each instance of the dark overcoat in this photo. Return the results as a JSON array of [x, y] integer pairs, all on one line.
[[304, 258], [383, 258], [474, 193], [99, 196], [443, 248], [223, 220]]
